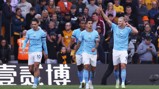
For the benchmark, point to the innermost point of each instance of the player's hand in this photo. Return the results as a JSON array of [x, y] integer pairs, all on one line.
[[127, 24], [94, 49]]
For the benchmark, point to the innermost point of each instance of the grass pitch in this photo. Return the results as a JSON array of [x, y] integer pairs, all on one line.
[[76, 87]]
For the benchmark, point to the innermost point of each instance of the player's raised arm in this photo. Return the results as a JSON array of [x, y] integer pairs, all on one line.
[[105, 17], [134, 30]]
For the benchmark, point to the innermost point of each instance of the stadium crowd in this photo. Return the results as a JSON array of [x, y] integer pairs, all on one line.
[[59, 18]]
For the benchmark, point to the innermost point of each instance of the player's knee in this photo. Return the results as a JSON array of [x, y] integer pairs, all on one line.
[[116, 68], [30, 69], [80, 67], [93, 68], [123, 66], [86, 67]]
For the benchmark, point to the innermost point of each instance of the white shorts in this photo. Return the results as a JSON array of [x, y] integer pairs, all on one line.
[[89, 59], [34, 57], [119, 57], [79, 60]]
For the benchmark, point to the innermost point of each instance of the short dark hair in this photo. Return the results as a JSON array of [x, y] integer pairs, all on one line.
[[88, 19], [35, 20], [110, 15], [17, 9], [82, 20], [128, 7], [148, 38], [95, 13], [32, 9]]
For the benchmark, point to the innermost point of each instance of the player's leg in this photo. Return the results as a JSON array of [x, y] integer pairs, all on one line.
[[31, 69], [31, 63], [86, 62], [37, 61], [116, 67], [123, 59], [92, 71], [80, 70]]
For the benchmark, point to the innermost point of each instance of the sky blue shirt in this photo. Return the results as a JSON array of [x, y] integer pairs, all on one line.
[[37, 40], [121, 37], [76, 34], [89, 41]]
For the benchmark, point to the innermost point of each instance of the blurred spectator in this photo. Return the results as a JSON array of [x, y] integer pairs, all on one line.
[[55, 20], [86, 13], [146, 51], [152, 12], [67, 18], [4, 51], [80, 6], [14, 4], [39, 17], [81, 17], [131, 18], [156, 18], [66, 36], [130, 3], [74, 18], [6, 19], [29, 18], [63, 56], [25, 7], [92, 7], [58, 12], [110, 10], [65, 6], [33, 2], [40, 7], [100, 47], [100, 3], [145, 20], [51, 7], [85, 2], [52, 47], [1, 5], [22, 56], [45, 20], [98, 22], [56, 2], [17, 24], [148, 32], [142, 11], [52, 29], [131, 51], [148, 3], [99, 13], [118, 8]]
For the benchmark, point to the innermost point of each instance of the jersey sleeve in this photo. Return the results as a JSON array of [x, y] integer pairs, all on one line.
[[97, 36], [43, 37], [114, 26], [129, 30], [74, 34]]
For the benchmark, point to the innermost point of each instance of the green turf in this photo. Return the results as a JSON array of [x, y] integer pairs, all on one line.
[[76, 87]]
